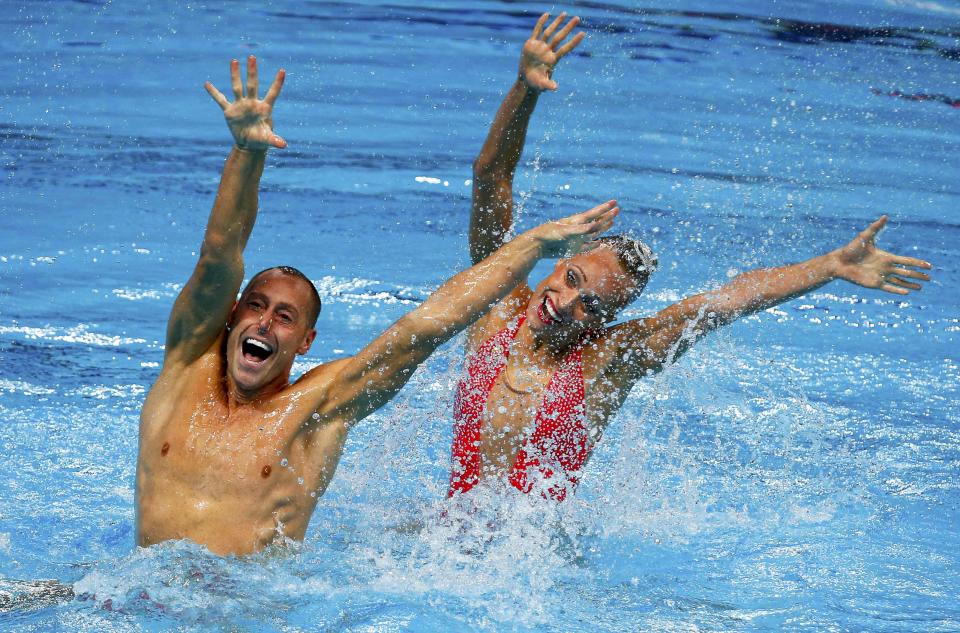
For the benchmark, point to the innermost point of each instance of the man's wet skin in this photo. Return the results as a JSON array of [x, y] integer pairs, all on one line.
[[234, 473]]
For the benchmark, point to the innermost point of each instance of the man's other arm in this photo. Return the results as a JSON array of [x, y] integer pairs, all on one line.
[[374, 375]]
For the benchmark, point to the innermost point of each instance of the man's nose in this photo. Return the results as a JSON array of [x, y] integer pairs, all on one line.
[[265, 322]]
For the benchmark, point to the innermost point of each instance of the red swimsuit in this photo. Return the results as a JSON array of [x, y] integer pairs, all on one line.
[[557, 447]]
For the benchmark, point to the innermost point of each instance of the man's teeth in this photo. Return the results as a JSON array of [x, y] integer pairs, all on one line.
[[260, 344]]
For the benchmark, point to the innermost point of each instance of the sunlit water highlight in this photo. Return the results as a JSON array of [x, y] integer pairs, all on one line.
[[797, 471]]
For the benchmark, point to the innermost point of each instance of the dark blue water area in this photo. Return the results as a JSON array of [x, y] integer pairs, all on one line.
[[796, 471]]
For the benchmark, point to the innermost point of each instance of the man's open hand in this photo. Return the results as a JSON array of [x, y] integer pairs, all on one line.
[[249, 117], [544, 49]]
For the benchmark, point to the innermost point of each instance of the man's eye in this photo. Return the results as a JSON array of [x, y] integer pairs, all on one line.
[[255, 305], [286, 318], [571, 278]]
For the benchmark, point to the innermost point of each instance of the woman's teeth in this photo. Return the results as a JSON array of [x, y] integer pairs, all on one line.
[[550, 311]]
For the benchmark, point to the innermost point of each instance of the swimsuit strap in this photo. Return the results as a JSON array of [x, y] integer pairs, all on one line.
[[557, 449], [559, 442], [483, 369]]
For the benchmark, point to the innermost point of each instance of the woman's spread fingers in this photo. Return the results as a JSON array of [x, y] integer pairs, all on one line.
[[572, 44], [913, 274], [253, 84], [903, 282], [553, 27], [564, 32], [275, 88], [539, 25]]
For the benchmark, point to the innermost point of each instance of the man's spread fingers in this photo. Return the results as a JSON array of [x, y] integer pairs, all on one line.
[[906, 284], [539, 25], [275, 88], [874, 228], [253, 85], [235, 79], [572, 44], [217, 95], [553, 27], [565, 31]]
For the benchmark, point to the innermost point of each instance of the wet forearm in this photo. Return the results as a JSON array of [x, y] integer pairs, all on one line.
[[504, 144], [492, 210], [469, 294], [235, 208], [764, 288]]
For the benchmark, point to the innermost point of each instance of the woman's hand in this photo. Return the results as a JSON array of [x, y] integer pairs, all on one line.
[[569, 234], [862, 263]]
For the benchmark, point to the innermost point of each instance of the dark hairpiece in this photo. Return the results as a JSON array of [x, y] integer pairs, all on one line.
[[635, 257]]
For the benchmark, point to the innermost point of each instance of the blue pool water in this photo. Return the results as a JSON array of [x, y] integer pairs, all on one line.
[[797, 471]]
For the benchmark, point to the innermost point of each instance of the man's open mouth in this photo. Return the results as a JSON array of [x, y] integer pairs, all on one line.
[[256, 351]]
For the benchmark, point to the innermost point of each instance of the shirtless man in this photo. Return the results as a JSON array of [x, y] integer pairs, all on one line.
[[549, 359], [234, 456]]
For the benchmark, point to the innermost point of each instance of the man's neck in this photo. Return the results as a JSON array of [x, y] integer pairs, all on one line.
[[238, 398]]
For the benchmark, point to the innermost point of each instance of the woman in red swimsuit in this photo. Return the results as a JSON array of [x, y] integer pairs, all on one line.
[[546, 371]]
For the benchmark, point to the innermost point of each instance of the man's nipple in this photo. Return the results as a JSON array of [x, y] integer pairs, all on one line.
[[265, 472], [164, 449]]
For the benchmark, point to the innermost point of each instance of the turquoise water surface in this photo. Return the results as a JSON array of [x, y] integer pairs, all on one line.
[[799, 470]]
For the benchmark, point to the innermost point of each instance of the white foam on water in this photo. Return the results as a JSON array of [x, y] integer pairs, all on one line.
[[26, 388], [78, 334]]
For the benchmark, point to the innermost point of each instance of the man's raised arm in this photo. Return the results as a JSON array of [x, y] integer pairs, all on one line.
[[204, 304], [650, 344], [374, 375], [492, 212]]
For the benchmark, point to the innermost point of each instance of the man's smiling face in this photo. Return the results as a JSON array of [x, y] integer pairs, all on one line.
[[269, 327]]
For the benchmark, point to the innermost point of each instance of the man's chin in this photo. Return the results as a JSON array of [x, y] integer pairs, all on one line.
[[249, 382]]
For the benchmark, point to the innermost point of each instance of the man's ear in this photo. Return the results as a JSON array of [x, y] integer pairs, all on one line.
[[307, 342], [233, 311]]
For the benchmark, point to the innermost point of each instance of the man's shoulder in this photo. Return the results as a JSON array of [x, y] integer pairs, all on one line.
[[175, 375], [323, 371]]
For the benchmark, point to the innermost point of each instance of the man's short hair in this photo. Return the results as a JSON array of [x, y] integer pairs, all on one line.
[[635, 257], [315, 303]]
